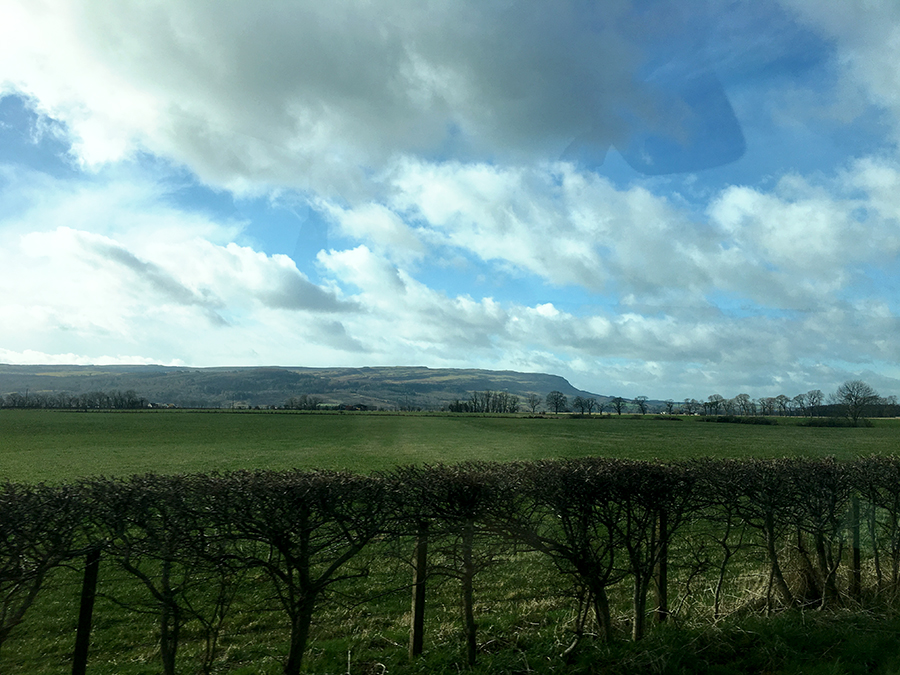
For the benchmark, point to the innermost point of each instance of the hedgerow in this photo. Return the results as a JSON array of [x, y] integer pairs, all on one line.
[[817, 533]]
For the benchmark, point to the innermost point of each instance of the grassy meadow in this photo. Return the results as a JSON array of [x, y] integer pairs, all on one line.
[[524, 608], [54, 446]]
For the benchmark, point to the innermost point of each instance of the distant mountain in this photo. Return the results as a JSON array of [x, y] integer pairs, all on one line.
[[381, 387]]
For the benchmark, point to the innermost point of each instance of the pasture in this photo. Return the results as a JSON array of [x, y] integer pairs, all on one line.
[[56, 446], [526, 611]]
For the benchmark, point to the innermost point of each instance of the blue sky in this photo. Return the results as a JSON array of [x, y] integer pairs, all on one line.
[[671, 199]]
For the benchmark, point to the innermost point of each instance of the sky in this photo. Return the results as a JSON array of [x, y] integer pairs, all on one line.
[[646, 197]]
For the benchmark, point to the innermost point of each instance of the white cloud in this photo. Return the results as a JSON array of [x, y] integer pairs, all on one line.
[[789, 247], [428, 134], [379, 226], [868, 43], [306, 94], [673, 355], [149, 278], [67, 286], [105, 268], [805, 242], [568, 227], [31, 357], [77, 296], [402, 315]]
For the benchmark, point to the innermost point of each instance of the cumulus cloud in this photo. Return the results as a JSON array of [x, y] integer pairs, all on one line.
[[868, 44], [566, 226], [431, 135], [378, 225], [156, 277], [317, 95], [811, 240], [31, 357], [403, 311], [772, 282], [671, 353], [153, 279], [788, 247]]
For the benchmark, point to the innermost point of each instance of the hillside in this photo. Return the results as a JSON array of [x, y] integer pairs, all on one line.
[[380, 387]]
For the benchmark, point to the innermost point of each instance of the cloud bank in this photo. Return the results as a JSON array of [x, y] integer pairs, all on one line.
[[648, 198]]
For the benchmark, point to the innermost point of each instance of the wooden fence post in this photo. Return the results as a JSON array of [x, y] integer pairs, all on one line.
[[86, 611], [856, 571], [662, 570], [420, 570]]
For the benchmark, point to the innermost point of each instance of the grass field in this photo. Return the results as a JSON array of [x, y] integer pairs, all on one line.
[[60, 445], [523, 608], [525, 623]]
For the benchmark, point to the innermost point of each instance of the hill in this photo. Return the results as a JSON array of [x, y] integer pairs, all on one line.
[[377, 387]]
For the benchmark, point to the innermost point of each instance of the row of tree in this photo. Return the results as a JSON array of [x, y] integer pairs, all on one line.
[[115, 399], [585, 405], [487, 402], [853, 399], [303, 402], [807, 527]]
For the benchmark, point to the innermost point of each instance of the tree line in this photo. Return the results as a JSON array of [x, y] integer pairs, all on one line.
[[115, 400], [672, 537], [487, 402], [854, 399], [303, 402]]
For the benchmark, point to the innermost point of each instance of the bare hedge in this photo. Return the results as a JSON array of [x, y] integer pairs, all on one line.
[[819, 532]]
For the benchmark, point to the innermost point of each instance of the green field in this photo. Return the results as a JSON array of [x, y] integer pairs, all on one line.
[[524, 607], [60, 445]]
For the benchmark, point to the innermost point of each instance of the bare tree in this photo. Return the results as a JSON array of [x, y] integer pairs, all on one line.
[[782, 402], [814, 399], [557, 401], [302, 529], [641, 403], [763, 498], [579, 404], [565, 509], [584, 404], [645, 492], [714, 403], [454, 501], [799, 404], [618, 404], [824, 491], [692, 406], [155, 529], [855, 396]]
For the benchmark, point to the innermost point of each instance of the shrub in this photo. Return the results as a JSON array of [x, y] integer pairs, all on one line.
[[834, 422], [735, 419]]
